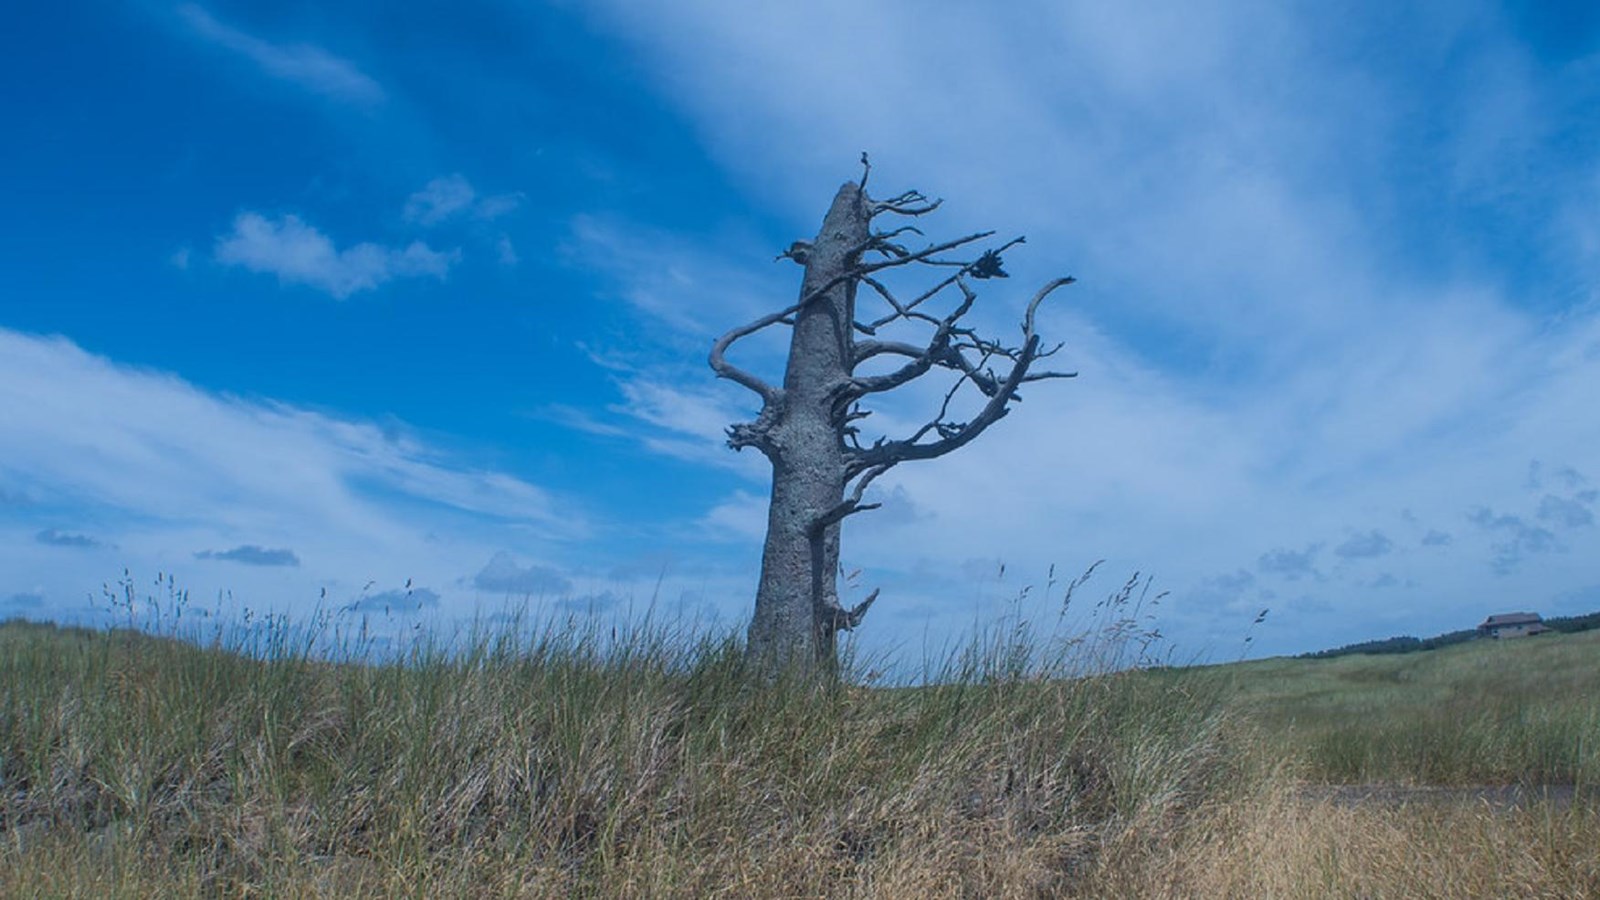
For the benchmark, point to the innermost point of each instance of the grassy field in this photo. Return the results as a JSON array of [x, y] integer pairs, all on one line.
[[535, 765], [1483, 712]]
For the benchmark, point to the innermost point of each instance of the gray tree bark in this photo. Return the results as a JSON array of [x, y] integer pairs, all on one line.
[[806, 427]]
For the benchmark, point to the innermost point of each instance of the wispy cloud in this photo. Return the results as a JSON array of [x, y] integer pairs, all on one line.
[[1364, 546], [689, 288], [164, 464], [1238, 590], [398, 602], [250, 554], [439, 200], [743, 516], [1437, 538], [298, 253], [67, 539], [1291, 564], [449, 196], [305, 65], [1568, 512], [595, 604], [1516, 538], [497, 205], [505, 251], [502, 575]]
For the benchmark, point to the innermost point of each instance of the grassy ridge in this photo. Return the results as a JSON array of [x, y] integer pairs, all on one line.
[[534, 764], [539, 766]]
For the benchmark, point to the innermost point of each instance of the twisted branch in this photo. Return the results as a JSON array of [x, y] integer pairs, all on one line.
[[725, 369], [955, 435]]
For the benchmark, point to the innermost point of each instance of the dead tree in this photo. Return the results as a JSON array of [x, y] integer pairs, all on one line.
[[807, 428]]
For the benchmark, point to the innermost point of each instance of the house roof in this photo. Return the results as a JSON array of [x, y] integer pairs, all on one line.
[[1517, 618]]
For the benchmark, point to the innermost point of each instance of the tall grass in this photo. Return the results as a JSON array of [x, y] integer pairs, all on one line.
[[557, 760], [1281, 844]]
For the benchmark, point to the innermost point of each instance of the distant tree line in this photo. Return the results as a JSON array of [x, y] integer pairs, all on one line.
[[1570, 624], [1409, 644]]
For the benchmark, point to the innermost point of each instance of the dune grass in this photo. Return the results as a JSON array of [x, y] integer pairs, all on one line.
[[558, 761], [539, 765], [1282, 844]]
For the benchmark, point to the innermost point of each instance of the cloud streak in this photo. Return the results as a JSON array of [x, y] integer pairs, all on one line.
[[55, 538], [305, 65], [251, 555]]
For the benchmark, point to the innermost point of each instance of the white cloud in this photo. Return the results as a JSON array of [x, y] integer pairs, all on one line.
[[503, 576], [678, 282], [497, 205], [694, 413], [298, 253], [449, 196], [137, 440], [440, 199], [176, 478], [742, 516], [306, 65], [667, 416], [506, 251]]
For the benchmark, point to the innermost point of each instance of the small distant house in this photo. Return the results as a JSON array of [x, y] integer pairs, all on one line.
[[1519, 624]]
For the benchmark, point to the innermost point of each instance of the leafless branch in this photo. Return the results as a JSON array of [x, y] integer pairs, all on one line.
[[861, 271], [725, 369], [1033, 305], [851, 504], [938, 352], [886, 235], [910, 203], [852, 433], [883, 242], [888, 297], [1000, 392], [847, 620], [923, 254], [903, 311]]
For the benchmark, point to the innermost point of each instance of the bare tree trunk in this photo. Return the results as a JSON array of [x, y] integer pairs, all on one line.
[[818, 478], [795, 603]]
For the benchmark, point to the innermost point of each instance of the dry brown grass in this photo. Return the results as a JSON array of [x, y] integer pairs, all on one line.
[[1275, 845], [132, 767], [139, 768], [1284, 844]]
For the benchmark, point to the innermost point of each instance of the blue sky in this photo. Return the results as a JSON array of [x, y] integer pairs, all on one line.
[[299, 298]]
